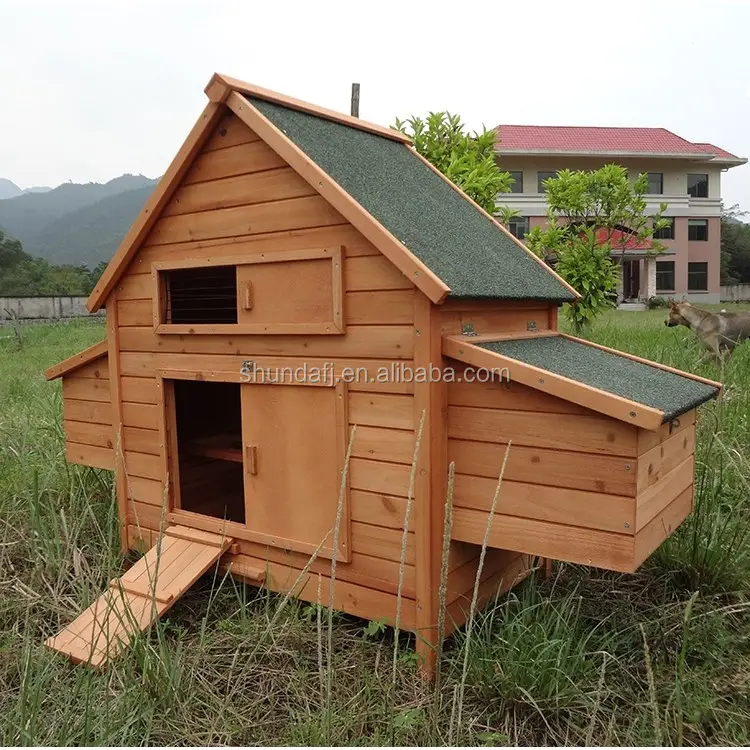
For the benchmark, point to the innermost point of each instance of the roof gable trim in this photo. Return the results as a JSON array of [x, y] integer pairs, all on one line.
[[77, 360], [220, 87]]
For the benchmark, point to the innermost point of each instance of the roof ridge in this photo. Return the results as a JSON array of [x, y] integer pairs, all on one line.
[[220, 86]]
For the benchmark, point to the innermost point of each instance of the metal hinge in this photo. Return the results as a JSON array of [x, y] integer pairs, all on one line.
[[531, 325]]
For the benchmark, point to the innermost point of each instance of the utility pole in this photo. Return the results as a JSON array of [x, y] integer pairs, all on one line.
[[355, 100]]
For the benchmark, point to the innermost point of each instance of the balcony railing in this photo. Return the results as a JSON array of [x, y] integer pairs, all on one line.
[[535, 204]]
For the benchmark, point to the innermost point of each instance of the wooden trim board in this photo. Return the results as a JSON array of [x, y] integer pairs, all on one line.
[[77, 360]]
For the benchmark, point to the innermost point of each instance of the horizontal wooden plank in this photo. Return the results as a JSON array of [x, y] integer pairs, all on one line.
[[345, 235], [384, 444], [556, 504], [96, 412], [147, 491], [505, 395], [242, 190], [371, 572], [561, 431], [488, 320], [545, 466], [657, 497], [379, 308], [601, 549], [377, 509], [140, 415], [90, 455], [495, 584], [141, 440], [230, 131], [279, 216], [135, 312], [97, 369], [378, 541], [661, 526], [351, 598], [648, 439], [233, 160], [661, 459], [101, 435], [138, 390], [379, 477], [144, 465], [373, 273], [86, 389], [377, 342], [360, 308], [460, 582], [382, 410], [361, 374]]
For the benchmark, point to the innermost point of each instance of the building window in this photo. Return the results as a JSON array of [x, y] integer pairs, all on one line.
[[697, 185], [517, 186], [518, 226], [655, 183], [698, 277], [698, 230], [664, 275], [540, 178], [667, 233]]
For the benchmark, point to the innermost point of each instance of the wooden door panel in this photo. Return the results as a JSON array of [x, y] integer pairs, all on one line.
[[294, 447]]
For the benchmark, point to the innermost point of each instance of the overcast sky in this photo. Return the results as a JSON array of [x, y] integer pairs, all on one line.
[[92, 90]]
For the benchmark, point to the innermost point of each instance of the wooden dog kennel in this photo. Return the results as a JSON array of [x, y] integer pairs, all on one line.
[[285, 238]]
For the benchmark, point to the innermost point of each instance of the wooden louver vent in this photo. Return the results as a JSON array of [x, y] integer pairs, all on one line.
[[201, 295]]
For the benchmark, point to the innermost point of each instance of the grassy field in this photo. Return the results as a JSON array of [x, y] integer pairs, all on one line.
[[583, 657]]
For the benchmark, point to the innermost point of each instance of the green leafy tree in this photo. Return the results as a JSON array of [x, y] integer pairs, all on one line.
[[21, 275], [735, 247], [592, 215], [466, 159]]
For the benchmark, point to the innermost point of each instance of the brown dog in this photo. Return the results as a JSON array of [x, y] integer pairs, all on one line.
[[718, 332]]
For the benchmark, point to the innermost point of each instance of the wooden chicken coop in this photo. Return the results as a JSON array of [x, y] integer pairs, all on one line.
[[287, 259]]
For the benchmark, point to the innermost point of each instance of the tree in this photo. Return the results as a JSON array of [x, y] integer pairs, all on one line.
[[735, 247], [466, 159], [590, 215]]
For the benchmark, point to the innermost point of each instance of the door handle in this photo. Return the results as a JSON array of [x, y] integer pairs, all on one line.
[[251, 459]]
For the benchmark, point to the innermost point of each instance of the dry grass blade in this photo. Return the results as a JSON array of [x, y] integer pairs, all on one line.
[[443, 591], [477, 581], [404, 541]]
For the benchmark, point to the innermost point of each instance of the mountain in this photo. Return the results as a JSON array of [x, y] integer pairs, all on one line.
[[9, 189], [24, 216], [92, 233], [75, 223], [38, 189]]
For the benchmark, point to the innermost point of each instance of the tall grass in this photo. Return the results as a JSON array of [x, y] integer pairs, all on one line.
[[583, 656]]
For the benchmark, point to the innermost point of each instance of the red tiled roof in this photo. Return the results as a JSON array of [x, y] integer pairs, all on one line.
[[605, 140]]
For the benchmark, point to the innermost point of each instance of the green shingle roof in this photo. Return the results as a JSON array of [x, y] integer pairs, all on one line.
[[671, 393], [459, 244]]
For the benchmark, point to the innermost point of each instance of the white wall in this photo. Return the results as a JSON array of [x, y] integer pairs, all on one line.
[[44, 308]]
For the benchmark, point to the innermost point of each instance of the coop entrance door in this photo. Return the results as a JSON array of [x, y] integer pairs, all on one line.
[[294, 443]]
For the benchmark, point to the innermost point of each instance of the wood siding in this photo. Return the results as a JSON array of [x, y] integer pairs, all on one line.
[[578, 486], [87, 415], [240, 199]]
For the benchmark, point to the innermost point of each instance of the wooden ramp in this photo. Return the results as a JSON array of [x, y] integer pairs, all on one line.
[[141, 596]]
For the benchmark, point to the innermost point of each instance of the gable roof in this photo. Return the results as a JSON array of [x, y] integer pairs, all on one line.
[[77, 360], [435, 234], [622, 386], [540, 139]]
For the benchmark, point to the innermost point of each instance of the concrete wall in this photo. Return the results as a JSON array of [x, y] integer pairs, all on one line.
[[735, 293], [43, 308]]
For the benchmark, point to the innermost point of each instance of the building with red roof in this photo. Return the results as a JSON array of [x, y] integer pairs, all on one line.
[[684, 175]]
